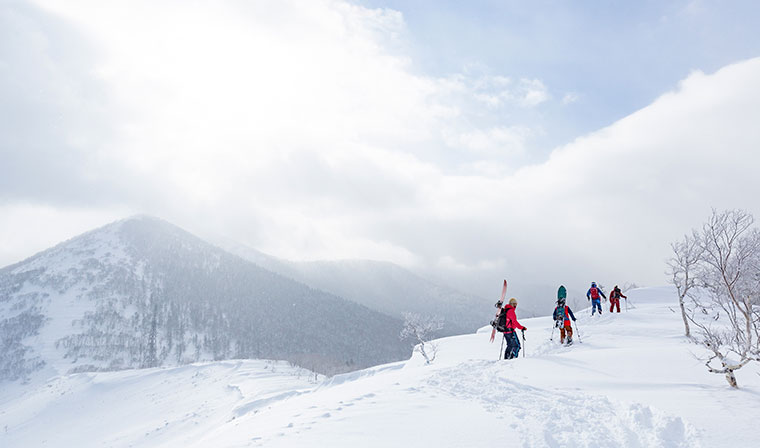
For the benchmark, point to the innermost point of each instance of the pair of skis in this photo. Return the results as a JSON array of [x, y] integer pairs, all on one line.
[[493, 332]]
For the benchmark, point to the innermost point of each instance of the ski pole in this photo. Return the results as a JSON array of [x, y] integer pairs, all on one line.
[[578, 331], [551, 338], [501, 349], [626, 304], [523, 335]]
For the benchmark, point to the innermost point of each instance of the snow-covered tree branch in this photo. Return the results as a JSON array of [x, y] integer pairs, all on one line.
[[717, 274], [421, 329], [682, 266]]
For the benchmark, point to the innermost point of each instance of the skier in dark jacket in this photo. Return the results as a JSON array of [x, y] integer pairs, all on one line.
[[562, 316], [593, 295], [615, 296]]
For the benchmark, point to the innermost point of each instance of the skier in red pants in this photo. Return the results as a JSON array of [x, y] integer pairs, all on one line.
[[615, 296]]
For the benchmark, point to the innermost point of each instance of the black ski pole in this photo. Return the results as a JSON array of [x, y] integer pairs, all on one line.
[[501, 349], [523, 335]]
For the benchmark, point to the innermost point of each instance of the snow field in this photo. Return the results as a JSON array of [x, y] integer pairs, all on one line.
[[150, 407], [632, 382]]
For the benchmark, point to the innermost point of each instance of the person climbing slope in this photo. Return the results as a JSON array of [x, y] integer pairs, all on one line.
[[593, 294], [615, 296], [511, 325], [562, 316]]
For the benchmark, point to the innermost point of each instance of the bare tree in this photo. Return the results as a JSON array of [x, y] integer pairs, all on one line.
[[682, 266], [726, 269], [421, 330]]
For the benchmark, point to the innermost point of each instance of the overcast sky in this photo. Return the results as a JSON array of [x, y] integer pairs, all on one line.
[[546, 142]]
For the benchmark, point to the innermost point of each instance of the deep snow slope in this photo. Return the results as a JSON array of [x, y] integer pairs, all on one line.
[[633, 381]]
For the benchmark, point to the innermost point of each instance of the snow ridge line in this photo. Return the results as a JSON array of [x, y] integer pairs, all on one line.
[[255, 405], [359, 374]]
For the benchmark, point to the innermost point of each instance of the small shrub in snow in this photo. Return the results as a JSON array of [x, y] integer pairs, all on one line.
[[421, 330]]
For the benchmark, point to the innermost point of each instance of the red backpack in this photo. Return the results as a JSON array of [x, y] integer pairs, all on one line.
[[594, 293]]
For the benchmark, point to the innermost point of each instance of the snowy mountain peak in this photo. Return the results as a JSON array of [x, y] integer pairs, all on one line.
[[141, 292]]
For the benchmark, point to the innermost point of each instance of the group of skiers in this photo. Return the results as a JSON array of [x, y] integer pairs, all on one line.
[[594, 292], [507, 324]]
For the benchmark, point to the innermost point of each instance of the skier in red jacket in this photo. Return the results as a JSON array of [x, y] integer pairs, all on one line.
[[509, 325], [615, 296]]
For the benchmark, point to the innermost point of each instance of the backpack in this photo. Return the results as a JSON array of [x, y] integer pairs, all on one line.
[[500, 323], [594, 293], [559, 313]]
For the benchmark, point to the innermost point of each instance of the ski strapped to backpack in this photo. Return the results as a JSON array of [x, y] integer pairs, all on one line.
[[495, 323]]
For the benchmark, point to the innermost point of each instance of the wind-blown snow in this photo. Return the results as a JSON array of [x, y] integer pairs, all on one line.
[[633, 381]]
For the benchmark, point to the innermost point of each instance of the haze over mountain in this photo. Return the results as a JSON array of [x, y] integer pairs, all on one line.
[[382, 286], [141, 293]]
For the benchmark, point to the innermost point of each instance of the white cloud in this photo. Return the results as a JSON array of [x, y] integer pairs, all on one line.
[[500, 91], [302, 128], [532, 92], [494, 143], [570, 98]]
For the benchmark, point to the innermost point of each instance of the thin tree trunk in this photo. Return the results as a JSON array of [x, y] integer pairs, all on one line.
[[731, 378], [685, 319]]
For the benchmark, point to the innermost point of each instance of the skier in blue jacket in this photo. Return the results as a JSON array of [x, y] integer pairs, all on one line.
[[593, 295], [562, 316]]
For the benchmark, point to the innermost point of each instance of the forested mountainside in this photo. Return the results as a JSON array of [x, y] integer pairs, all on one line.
[[382, 286], [142, 292]]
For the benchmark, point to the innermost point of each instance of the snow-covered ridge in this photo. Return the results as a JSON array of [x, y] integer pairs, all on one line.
[[379, 285], [630, 380], [142, 293]]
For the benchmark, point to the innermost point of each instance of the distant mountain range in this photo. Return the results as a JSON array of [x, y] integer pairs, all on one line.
[[382, 286], [142, 293]]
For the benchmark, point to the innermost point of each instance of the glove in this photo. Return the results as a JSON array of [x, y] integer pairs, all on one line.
[[573, 320], [524, 328]]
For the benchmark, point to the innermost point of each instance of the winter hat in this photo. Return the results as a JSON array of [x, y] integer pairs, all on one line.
[[513, 301]]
